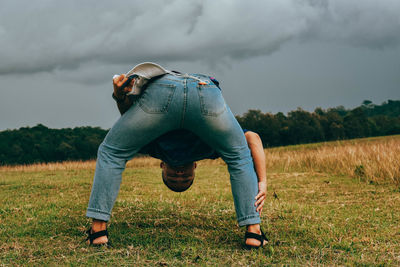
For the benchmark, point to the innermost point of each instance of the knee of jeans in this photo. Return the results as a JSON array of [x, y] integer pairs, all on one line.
[[237, 157], [109, 157]]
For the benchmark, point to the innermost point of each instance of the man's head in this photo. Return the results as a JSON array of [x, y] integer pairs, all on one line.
[[178, 178]]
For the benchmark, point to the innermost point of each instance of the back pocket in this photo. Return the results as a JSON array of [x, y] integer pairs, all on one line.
[[211, 101], [157, 98]]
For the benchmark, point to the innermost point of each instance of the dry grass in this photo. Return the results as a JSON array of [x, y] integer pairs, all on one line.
[[53, 166], [78, 165], [370, 159], [138, 162]]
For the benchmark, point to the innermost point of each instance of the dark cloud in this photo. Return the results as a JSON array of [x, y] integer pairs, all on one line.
[[368, 23], [57, 58], [41, 35]]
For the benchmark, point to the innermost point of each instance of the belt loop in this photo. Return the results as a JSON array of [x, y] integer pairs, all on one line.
[[185, 75]]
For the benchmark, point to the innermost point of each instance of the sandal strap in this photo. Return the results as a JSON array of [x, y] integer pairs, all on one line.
[[255, 236], [93, 236], [260, 238], [262, 233]]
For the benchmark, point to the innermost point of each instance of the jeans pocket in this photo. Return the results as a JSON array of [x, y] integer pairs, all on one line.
[[157, 98], [211, 101]]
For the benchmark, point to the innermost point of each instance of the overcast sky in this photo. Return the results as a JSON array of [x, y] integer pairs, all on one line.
[[57, 58]]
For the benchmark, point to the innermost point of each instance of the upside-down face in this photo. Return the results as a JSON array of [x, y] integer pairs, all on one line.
[[178, 178]]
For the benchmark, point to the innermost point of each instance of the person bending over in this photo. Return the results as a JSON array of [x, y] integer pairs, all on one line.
[[171, 104]]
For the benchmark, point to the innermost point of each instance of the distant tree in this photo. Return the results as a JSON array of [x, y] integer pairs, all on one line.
[[319, 111], [386, 125], [356, 124], [335, 129], [366, 102], [65, 151], [266, 125], [339, 110], [304, 127]]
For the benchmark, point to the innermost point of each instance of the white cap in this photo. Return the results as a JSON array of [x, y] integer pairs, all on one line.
[[147, 70]]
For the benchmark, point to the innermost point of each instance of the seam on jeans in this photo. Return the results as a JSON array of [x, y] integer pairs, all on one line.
[[184, 101], [173, 80], [163, 109], [240, 164], [248, 217], [98, 211], [205, 112]]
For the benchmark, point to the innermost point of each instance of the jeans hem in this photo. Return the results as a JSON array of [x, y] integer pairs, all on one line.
[[98, 215], [249, 220]]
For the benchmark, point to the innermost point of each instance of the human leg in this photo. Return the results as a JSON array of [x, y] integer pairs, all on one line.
[[154, 114], [208, 116]]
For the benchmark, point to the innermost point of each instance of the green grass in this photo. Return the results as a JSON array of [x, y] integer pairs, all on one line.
[[310, 219]]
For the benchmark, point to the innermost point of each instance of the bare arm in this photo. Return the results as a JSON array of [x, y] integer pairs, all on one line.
[[257, 152], [124, 102]]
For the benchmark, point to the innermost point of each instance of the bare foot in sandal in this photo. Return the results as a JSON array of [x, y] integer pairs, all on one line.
[[97, 234], [254, 237]]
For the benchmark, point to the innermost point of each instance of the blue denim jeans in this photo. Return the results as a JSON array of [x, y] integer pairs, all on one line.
[[167, 104]]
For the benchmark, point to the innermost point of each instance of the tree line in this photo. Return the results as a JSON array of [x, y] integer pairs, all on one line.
[[41, 144], [300, 126]]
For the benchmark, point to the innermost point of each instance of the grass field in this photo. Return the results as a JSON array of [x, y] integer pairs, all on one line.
[[322, 208]]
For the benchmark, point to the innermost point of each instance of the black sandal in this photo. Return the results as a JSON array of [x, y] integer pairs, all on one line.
[[260, 238], [93, 236]]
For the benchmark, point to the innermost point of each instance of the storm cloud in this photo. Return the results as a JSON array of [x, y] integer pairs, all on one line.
[[57, 58], [62, 36]]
